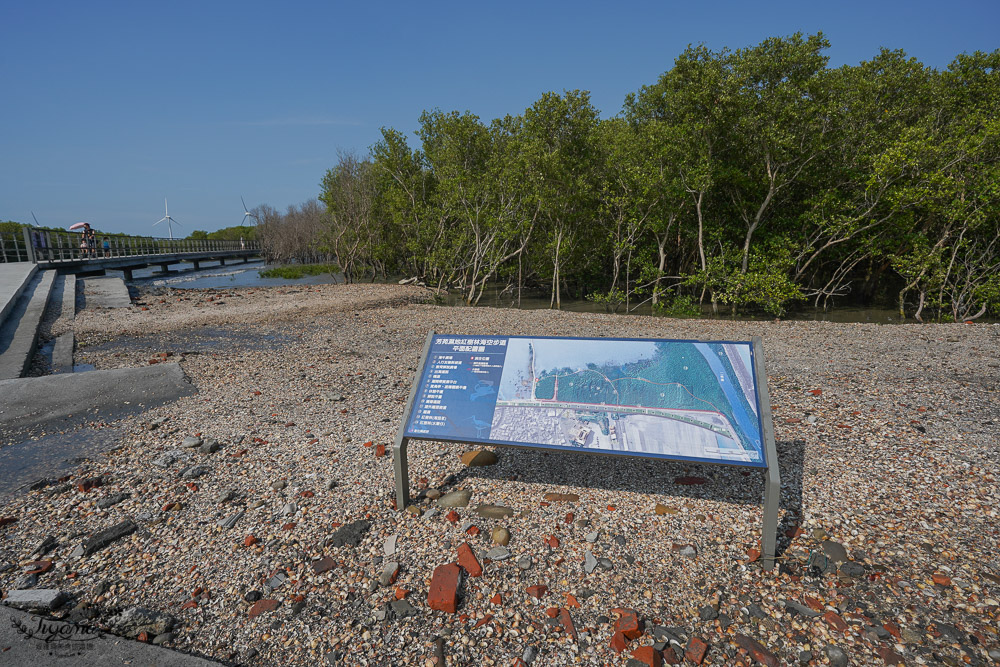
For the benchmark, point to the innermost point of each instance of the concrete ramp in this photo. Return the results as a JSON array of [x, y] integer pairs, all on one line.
[[31, 405], [19, 332], [14, 278], [105, 292]]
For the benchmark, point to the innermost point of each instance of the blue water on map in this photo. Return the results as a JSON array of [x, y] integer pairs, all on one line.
[[747, 423]]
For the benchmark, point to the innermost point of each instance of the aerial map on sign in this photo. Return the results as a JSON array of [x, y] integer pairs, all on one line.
[[675, 399]]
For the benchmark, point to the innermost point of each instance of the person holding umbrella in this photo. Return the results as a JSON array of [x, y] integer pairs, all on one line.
[[88, 242]]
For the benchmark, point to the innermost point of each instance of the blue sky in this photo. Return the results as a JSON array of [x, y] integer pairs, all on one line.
[[107, 108]]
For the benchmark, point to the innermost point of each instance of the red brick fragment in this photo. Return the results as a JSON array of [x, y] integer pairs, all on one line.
[[570, 517], [190, 604], [261, 606], [473, 530], [889, 656], [496, 599], [288, 526], [369, 443], [379, 450], [753, 555], [552, 541], [452, 516], [307, 494], [628, 624], [835, 621], [571, 601], [239, 453], [483, 621], [893, 630], [813, 603], [696, 650], [467, 559], [323, 565], [618, 642], [567, 623], [88, 484], [537, 591], [552, 612], [142, 637], [38, 567], [941, 579], [648, 655], [670, 656], [816, 392], [444, 588], [756, 650], [401, 593]]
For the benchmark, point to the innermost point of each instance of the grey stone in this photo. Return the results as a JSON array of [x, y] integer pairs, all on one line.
[[27, 581], [689, 551], [524, 562], [852, 569], [800, 609], [41, 599], [494, 511], [194, 472], [58, 489], [289, 509], [277, 581], [498, 553], [230, 520], [135, 620], [349, 535], [77, 551], [256, 504], [109, 501], [252, 596], [46, 545], [431, 513], [708, 613], [592, 537], [170, 457], [433, 494], [530, 653], [620, 539], [389, 572], [459, 498], [589, 562], [605, 563], [297, 608], [837, 656], [995, 654], [279, 485], [163, 638], [466, 525], [389, 547], [805, 657], [108, 536], [210, 446], [403, 609], [380, 614], [191, 441], [226, 496], [331, 485], [835, 551]]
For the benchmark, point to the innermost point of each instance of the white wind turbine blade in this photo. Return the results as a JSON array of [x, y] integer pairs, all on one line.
[[35, 219]]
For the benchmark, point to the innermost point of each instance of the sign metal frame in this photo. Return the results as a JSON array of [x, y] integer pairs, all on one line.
[[772, 475]]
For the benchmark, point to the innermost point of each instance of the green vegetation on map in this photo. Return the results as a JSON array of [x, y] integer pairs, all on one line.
[[294, 271], [677, 377]]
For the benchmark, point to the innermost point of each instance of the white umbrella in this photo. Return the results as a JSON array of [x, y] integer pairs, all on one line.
[[78, 225]]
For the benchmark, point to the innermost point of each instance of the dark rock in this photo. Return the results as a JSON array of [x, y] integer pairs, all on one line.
[[194, 472], [108, 536], [109, 501], [835, 551], [852, 569], [135, 620], [46, 545], [708, 613], [800, 609], [44, 599], [837, 656], [403, 609], [349, 535], [805, 657], [163, 638], [297, 608], [252, 596], [724, 622], [530, 653]]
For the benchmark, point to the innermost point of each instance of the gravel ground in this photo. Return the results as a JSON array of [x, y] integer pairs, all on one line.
[[887, 441]]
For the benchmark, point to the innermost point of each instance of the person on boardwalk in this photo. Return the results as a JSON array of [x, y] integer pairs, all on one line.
[[106, 244], [89, 244]]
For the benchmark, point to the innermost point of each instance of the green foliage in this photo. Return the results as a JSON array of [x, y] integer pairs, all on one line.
[[757, 178], [682, 306], [295, 271]]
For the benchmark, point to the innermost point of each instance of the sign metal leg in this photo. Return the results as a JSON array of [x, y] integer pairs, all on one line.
[[772, 483], [402, 469]]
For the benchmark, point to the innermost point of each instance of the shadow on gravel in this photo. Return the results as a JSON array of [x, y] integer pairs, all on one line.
[[722, 483]]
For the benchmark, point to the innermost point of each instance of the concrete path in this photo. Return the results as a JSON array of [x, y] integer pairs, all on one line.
[[19, 332], [75, 646], [105, 292], [29, 405], [14, 277]]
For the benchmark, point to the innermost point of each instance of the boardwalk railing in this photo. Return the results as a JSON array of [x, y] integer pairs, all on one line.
[[31, 244]]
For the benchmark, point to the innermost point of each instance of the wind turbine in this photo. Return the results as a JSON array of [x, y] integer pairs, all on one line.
[[247, 213], [166, 216]]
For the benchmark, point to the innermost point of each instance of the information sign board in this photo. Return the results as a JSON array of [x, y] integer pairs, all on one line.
[[677, 399], [687, 400]]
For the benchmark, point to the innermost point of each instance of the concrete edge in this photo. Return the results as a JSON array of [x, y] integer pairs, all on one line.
[[17, 357], [62, 643], [7, 307]]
